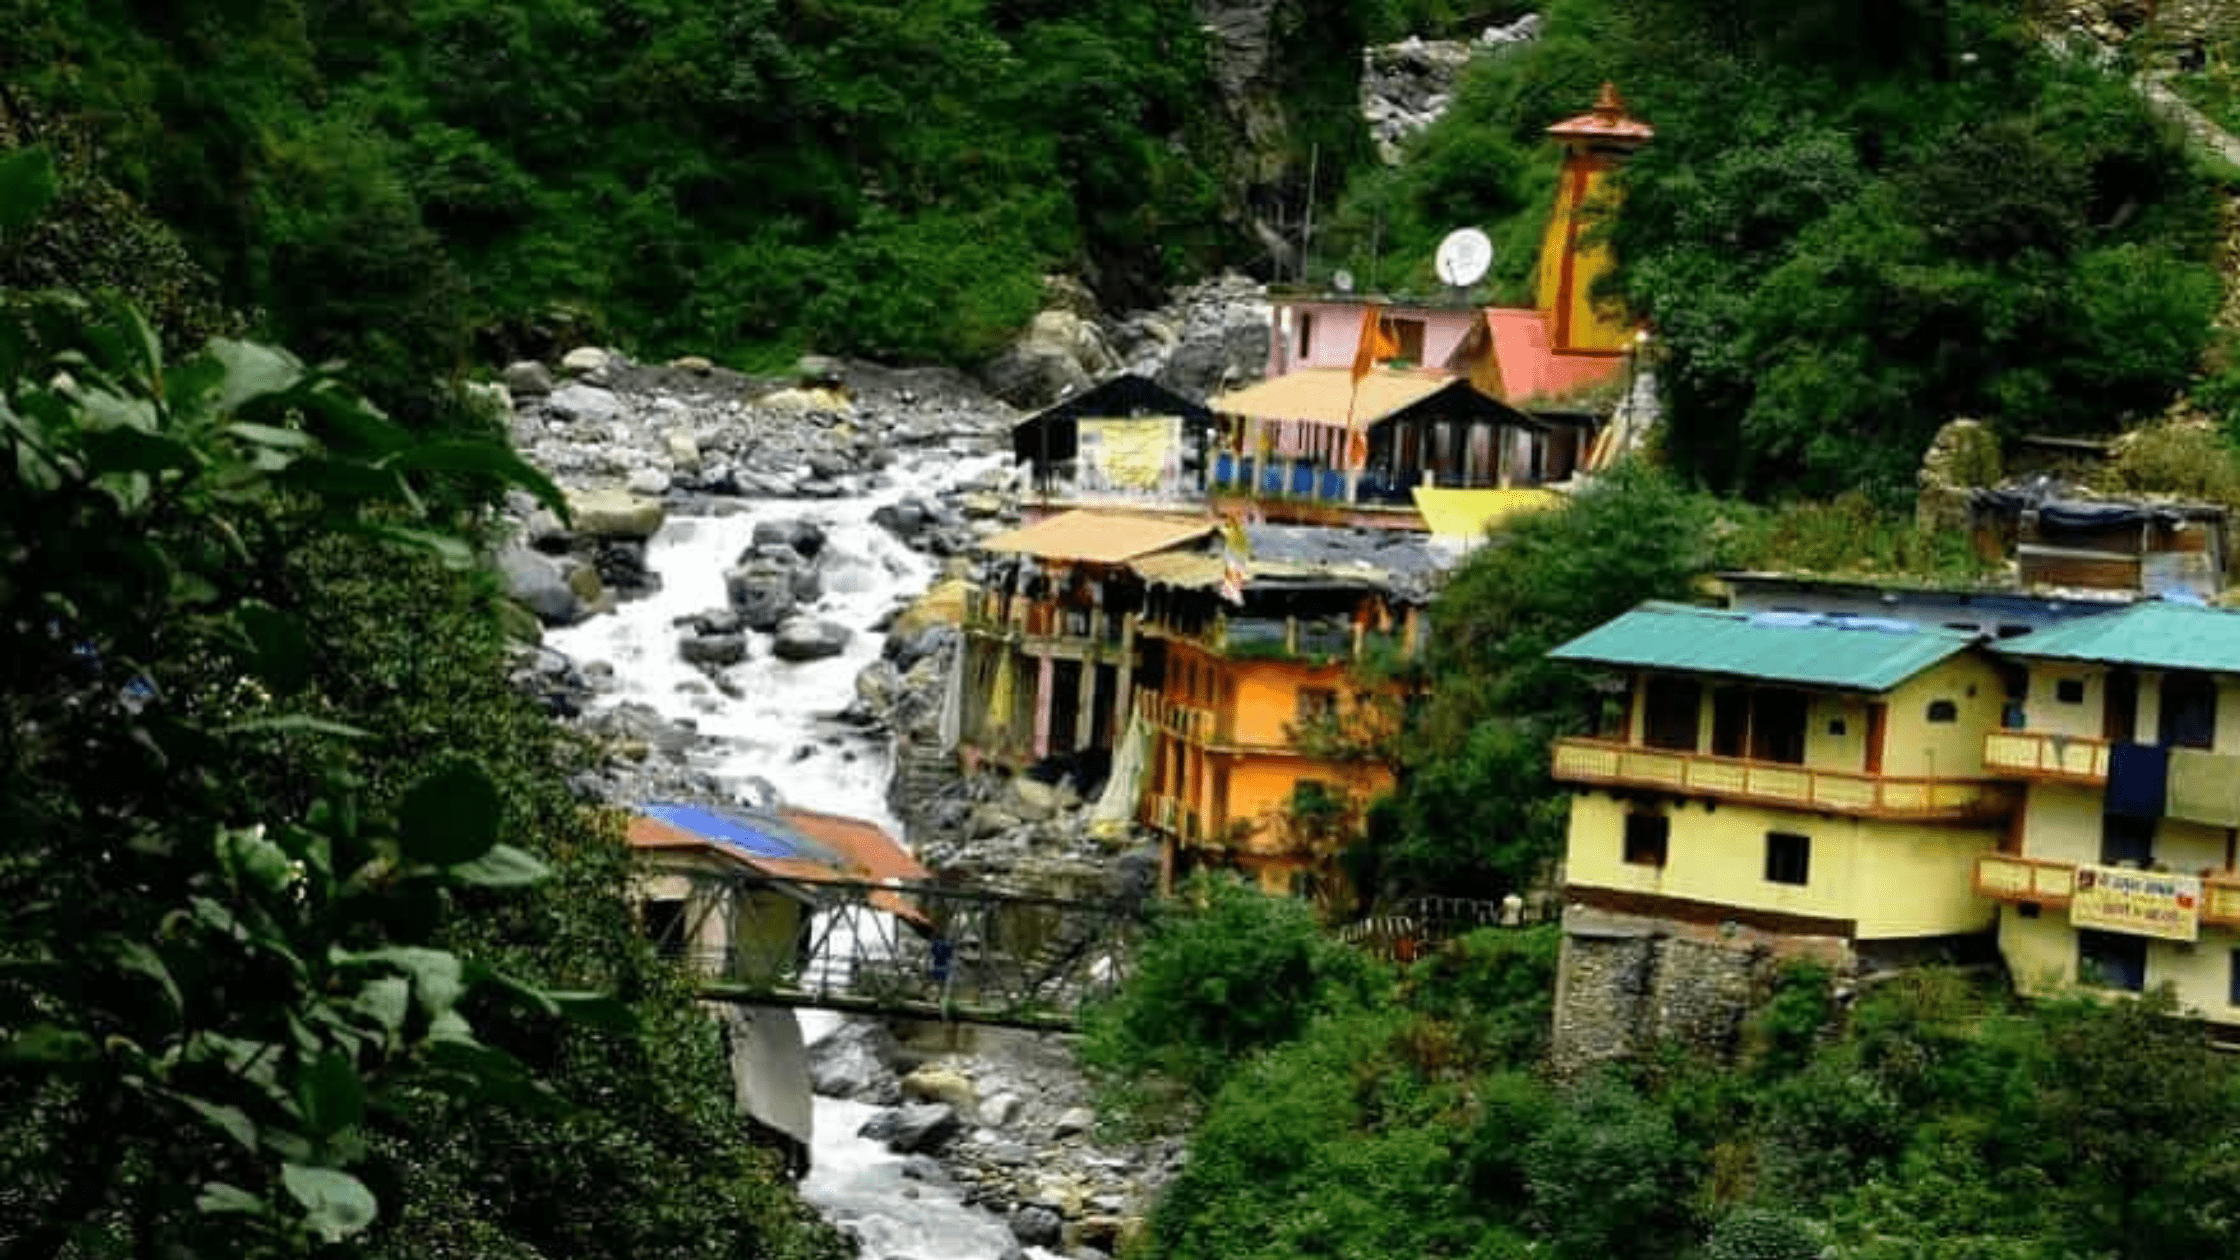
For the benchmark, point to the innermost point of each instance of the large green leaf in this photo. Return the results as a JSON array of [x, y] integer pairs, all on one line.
[[438, 977], [252, 372], [490, 459], [51, 1044], [219, 1199], [336, 1204], [450, 816], [504, 866], [331, 1096], [27, 187]]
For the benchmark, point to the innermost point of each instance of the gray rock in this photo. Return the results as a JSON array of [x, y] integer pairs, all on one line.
[[1037, 1226], [614, 513], [539, 584], [905, 520], [809, 639], [914, 1129], [925, 1168], [820, 370], [762, 592], [528, 378], [1074, 1121], [1032, 801], [584, 404], [713, 649], [1000, 1109], [585, 359], [803, 536]]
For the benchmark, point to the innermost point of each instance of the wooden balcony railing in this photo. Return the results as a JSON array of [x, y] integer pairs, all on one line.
[[1601, 762], [1170, 815], [2012, 877], [1187, 723], [2040, 755]]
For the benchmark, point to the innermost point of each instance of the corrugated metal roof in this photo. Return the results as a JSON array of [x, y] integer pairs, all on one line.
[[2158, 635], [1853, 653], [1100, 537], [1327, 396]]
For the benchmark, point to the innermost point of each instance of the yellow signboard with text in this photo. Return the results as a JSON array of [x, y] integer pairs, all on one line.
[[2140, 903]]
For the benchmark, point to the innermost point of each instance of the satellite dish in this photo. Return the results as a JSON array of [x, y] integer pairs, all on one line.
[[1342, 279], [1464, 257]]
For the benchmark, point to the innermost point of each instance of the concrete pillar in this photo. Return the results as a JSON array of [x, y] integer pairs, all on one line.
[[1045, 683], [1085, 717], [1124, 681]]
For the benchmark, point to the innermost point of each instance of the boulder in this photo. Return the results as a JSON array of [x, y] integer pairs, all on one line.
[[528, 378], [761, 592], [584, 360], [696, 364], [536, 581], [650, 482], [614, 513], [583, 579], [905, 520], [809, 639], [1037, 1226], [713, 649], [1000, 1109], [804, 400], [803, 536], [855, 1061], [1076, 1120], [942, 1085], [584, 404], [1033, 801], [820, 370], [683, 451], [914, 1129]]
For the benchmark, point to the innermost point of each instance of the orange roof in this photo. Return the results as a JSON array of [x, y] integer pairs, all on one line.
[[864, 845], [1607, 121], [1332, 396], [1530, 365], [1101, 537]]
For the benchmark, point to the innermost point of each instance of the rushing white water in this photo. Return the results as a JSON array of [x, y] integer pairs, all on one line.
[[779, 729]]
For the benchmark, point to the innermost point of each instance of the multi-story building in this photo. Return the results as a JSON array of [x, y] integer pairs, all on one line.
[[2122, 873], [1809, 777]]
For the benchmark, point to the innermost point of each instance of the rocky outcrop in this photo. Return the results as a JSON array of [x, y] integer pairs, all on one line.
[[1963, 458], [1210, 337], [1061, 353], [1407, 86]]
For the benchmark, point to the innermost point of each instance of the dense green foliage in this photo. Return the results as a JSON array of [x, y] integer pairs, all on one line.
[[1930, 1119], [736, 178], [305, 922], [1857, 221]]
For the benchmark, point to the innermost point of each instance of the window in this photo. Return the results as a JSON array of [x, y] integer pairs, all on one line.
[[1317, 703], [1943, 711], [2189, 710], [1671, 709], [2232, 986], [1408, 335], [2126, 840], [1306, 334], [1837, 728], [663, 923], [2112, 960], [1788, 858], [1648, 839], [1730, 721], [2069, 690]]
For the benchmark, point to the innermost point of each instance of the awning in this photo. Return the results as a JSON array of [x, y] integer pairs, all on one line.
[[1100, 537], [1328, 396]]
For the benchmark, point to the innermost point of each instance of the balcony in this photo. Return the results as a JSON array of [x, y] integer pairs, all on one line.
[[1188, 723], [2039, 755], [2013, 878], [1605, 764], [1170, 815]]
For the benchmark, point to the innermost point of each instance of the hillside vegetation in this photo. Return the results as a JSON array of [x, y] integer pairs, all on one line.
[[1857, 221]]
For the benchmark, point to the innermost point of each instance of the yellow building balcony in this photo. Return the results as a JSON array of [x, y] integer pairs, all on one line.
[[1188, 723], [2040, 755], [1171, 815], [1603, 763], [2010, 877]]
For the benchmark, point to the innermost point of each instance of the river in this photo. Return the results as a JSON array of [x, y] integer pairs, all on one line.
[[779, 729]]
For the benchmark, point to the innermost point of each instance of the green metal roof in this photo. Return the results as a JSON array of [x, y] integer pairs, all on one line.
[[1853, 653], [2153, 634]]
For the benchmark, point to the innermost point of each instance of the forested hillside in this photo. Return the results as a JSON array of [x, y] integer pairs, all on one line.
[[1858, 221], [744, 179]]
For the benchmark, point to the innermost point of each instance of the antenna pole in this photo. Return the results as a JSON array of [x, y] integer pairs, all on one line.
[[1306, 231]]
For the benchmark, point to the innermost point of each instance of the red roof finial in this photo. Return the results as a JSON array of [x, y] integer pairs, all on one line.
[[1608, 123]]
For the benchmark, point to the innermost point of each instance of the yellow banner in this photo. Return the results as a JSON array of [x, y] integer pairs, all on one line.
[[2141, 903]]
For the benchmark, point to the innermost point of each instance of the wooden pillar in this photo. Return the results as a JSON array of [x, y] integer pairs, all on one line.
[[1085, 718], [1124, 680], [1045, 682]]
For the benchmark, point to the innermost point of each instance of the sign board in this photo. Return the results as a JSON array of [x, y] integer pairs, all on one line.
[[1141, 454], [2140, 903]]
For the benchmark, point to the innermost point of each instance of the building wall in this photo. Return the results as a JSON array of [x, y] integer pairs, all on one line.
[[2041, 954], [1919, 747], [2044, 710], [1336, 336], [756, 929], [1891, 879], [2063, 823], [1584, 194]]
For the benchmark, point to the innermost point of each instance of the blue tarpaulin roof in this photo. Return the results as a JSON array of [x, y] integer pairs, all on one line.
[[753, 835]]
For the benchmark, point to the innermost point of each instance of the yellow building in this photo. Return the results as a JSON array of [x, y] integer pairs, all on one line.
[[1802, 776], [1573, 257], [2122, 876]]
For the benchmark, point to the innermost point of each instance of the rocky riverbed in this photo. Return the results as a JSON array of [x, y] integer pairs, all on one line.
[[755, 602]]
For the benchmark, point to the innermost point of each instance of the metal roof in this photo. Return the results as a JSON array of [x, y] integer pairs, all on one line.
[[2155, 634], [1330, 396], [1852, 653], [1100, 537]]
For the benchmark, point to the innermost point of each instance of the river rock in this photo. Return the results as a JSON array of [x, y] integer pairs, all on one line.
[[584, 360], [528, 378], [651, 482], [584, 404], [682, 450], [1032, 801], [999, 1110], [1037, 1226], [713, 649], [820, 370], [608, 512], [536, 581], [938, 1084], [809, 639], [762, 592], [583, 579], [1075, 1120], [914, 1128], [805, 537], [855, 1061], [905, 519], [698, 365]]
